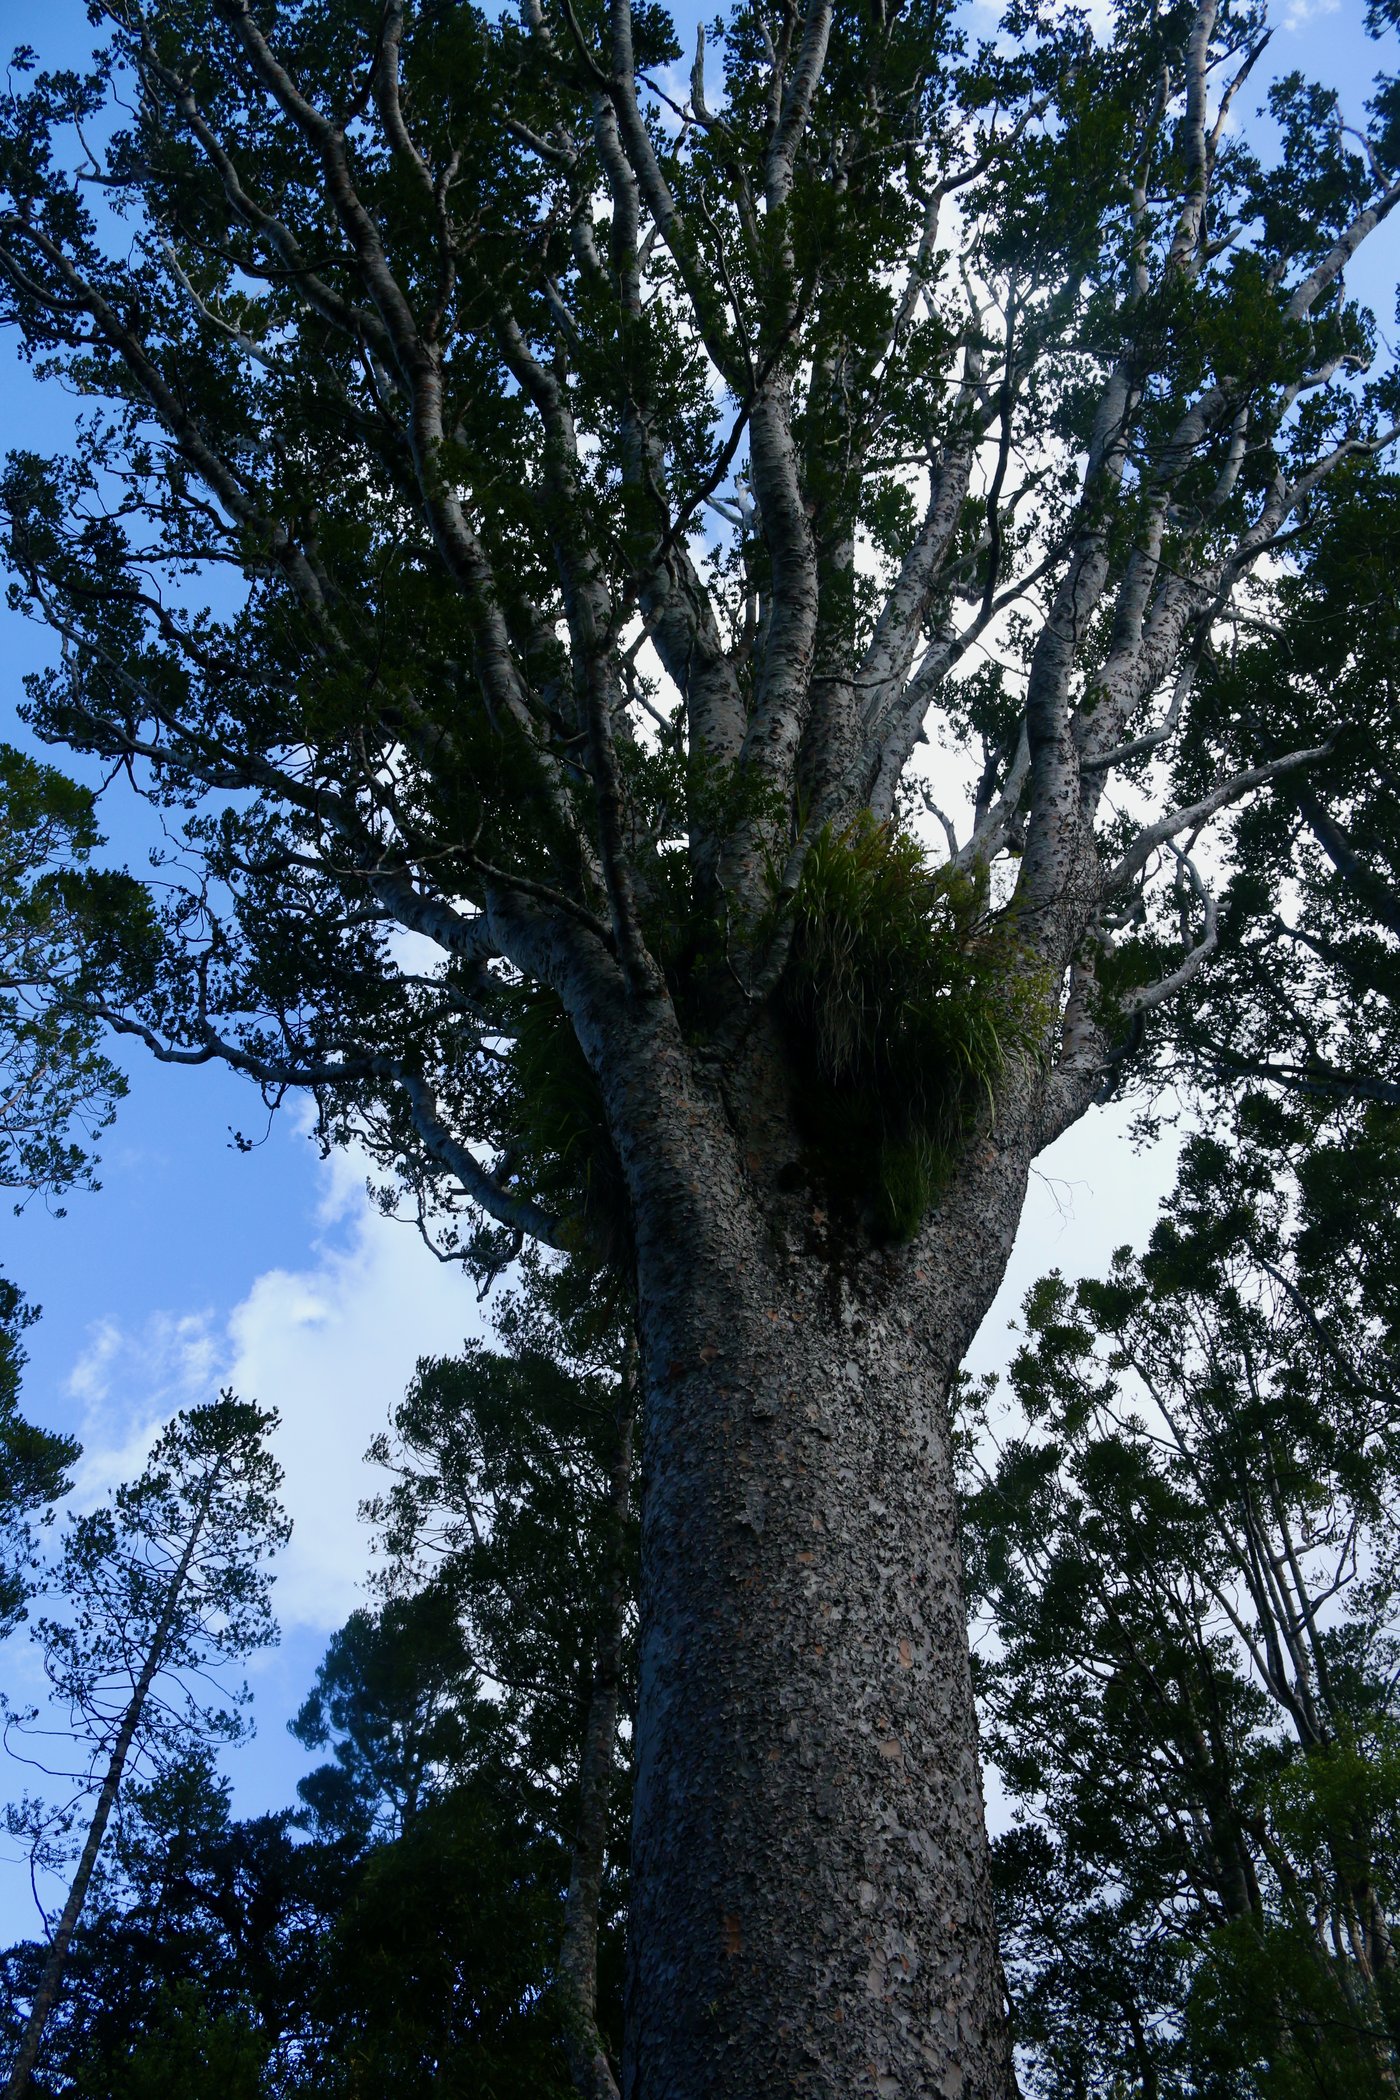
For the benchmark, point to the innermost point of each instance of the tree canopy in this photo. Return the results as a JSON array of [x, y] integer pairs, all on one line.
[[529, 513], [512, 474], [1185, 1551], [441, 1910], [157, 1590]]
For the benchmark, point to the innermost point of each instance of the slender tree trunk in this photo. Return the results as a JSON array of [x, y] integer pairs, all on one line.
[[578, 1960], [51, 1978], [811, 1912], [1150, 2085]]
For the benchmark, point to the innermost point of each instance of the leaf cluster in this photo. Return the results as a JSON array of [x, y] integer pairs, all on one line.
[[1185, 1548], [905, 999]]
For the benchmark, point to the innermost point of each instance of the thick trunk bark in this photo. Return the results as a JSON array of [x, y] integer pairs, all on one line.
[[811, 1909]]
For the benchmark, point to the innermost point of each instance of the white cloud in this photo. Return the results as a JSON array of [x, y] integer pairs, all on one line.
[[330, 1345], [130, 1380], [1301, 12]]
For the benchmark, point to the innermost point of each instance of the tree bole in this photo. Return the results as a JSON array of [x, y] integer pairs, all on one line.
[[812, 1911]]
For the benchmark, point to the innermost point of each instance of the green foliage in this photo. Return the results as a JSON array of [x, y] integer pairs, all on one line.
[[905, 1001], [267, 1963], [457, 1804], [197, 1958], [127, 1590], [1266, 2010], [184, 2048], [57, 917], [1097, 1984], [563, 1126], [497, 1522], [155, 1592], [33, 1463], [435, 1972], [397, 1700], [1186, 1545], [1302, 990]]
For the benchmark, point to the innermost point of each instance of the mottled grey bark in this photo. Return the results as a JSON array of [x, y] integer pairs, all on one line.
[[811, 1912]]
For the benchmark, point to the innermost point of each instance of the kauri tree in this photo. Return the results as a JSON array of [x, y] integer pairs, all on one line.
[[531, 508]]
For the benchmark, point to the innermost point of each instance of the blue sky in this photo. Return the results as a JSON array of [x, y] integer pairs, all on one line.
[[198, 1265]]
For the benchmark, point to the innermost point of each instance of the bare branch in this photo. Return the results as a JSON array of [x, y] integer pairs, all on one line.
[[1144, 997], [1195, 814]]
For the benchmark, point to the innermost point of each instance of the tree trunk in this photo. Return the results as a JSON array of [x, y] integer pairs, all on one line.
[[811, 1910], [51, 1976], [578, 1959]]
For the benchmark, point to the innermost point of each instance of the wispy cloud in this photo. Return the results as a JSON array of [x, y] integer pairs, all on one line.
[[331, 1345], [1300, 13]]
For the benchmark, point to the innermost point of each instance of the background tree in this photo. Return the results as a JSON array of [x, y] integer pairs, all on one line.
[[33, 1464], [1301, 993], [163, 1584], [1187, 1552], [398, 1931], [58, 918], [444, 1909], [437, 1958], [430, 339], [193, 1961], [57, 1090], [514, 1509]]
